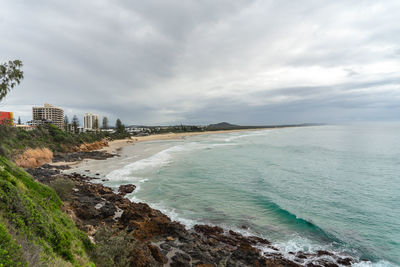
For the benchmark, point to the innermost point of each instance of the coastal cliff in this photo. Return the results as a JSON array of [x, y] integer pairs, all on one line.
[[125, 233], [33, 229], [55, 219]]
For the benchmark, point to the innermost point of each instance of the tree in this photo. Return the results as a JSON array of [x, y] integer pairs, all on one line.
[[119, 127], [105, 123], [19, 120], [66, 122], [10, 75], [96, 124], [75, 124]]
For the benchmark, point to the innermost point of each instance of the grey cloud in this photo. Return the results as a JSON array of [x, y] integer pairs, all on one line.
[[202, 61]]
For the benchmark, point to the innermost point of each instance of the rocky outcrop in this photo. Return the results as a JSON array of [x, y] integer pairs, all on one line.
[[126, 189], [81, 155], [91, 146], [156, 240], [36, 157], [32, 158]]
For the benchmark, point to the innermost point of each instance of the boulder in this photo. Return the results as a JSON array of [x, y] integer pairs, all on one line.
[[126, 189]]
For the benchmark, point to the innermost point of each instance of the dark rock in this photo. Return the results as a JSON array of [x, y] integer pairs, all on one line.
[[344, 261], [323, 253], [141, 256], [301, 256], [108, 210], [208, 230], [86, 211], [126, 189], [165, 246], [157, 255], [206, 245], [78, 156], [180, 260], [43, 174], [57, 167], [326, 263], [246, 253]]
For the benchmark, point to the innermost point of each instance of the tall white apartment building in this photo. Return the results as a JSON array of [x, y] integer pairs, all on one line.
[[89, 122], [50, 113]]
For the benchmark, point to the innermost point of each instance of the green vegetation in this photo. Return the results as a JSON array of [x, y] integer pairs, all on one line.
[[33, 229], [10, 252], [176, 129], [119, 127], [113, 248], [14, 139], [10, 75]]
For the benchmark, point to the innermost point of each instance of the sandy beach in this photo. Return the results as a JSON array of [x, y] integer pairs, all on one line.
[[115, 145], [128, 152]]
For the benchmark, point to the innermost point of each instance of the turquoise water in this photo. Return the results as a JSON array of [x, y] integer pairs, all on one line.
[[310, 188]]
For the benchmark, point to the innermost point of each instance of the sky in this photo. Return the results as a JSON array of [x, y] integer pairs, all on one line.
[[168, 62]]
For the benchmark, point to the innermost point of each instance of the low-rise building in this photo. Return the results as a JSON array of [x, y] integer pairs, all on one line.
[[25, 127]]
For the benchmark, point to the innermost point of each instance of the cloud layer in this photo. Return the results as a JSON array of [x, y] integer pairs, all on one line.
[[166, 62]]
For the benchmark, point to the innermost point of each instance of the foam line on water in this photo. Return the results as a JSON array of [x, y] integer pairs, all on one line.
[[249, 134], [301, 244], [157, 160], [171, 213]]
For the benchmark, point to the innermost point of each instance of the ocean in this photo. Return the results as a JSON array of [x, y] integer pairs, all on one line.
[[334, 187]]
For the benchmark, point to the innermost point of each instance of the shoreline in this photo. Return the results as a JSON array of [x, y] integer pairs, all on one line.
[[270, 252], [157, 240], [115, 145]]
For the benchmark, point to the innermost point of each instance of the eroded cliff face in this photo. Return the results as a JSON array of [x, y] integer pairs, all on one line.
[[91, 146], [34, 157]]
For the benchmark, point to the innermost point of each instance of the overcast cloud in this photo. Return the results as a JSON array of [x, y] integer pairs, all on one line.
[[174, 61]]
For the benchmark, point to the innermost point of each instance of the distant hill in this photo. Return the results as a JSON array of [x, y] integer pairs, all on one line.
[[228, 126], [222, 126]]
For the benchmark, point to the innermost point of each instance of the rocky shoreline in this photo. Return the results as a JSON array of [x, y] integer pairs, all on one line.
[[81, 155], [153, 239]]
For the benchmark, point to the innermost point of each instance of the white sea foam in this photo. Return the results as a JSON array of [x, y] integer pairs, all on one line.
[[301, 244], [296, 244], [171, 213], [381, 263], [250, 134], [157, 161]]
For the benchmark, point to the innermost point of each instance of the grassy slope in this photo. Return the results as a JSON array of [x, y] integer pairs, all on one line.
[[33, 229], [14, 139]]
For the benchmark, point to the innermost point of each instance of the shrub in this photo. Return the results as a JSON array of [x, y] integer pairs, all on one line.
[[3, 151], [112, 248], [22, 134], [63, 188], [10, 252], [33, 210]]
